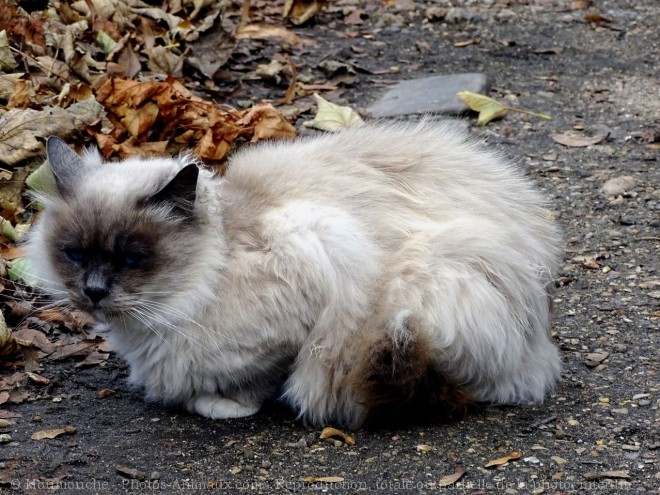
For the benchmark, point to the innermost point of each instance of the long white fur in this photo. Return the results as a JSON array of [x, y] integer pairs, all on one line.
[[367, 226]]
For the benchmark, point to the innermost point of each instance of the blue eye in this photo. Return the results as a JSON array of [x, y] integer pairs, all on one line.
[[75, 255], [132, 259]]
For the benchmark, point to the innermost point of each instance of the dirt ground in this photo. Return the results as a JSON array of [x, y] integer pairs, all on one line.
[[598, 433]]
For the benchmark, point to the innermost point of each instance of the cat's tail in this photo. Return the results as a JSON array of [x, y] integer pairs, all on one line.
[[398, 379]]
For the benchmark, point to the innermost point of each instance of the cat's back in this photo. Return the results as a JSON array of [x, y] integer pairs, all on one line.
[[425, 168]]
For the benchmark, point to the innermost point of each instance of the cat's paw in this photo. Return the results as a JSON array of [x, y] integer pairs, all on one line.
[[217, 407]]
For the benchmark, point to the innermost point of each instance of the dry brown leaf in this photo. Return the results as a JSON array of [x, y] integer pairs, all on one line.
[[150, 116], [267, 123], [334, 432], [265, 31], [300, 11], [450, 479], [93, 359], [503, 460], [38, 379], [578, 141], [106, 392], [53, 433], [323, 479], [23, 131]]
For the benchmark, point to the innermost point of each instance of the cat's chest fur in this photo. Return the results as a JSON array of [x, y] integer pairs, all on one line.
[[246, 321]]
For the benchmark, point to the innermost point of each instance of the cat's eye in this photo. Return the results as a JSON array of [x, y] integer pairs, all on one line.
[[132, 259], [75, 254]]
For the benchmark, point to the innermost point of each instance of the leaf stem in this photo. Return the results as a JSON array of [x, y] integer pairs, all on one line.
[[520, 110]]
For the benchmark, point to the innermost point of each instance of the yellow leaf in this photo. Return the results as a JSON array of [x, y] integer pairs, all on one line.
[[488, 108], [503, 460], [334, 432], [333, 118]]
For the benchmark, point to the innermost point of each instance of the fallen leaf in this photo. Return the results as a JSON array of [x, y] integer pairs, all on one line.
[[334, 432], [450, 479], [53, 433], [131, 473], [265, 31], [300, 11], [577, 141], [503, 460], [490, 109], [553, 50], [93, 359], [41, 380], [473, 41], [333, 118], [596, 475], [23, 131], [323, 479], [7, 60], [580, 4]]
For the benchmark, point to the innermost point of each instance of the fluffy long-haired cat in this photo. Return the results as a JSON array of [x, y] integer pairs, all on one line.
[[354, 275]]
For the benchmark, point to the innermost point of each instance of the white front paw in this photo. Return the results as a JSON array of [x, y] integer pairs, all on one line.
[[217, 407]]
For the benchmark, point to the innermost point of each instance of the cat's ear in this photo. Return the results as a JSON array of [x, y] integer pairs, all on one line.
[[65, 164], [180, 192]]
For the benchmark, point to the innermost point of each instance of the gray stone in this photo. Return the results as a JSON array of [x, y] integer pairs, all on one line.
[[436, 94]]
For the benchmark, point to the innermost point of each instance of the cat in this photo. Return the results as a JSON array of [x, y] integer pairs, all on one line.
[[357, 275]]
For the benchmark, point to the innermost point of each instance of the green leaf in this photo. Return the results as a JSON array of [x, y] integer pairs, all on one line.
[[7, 60], [42, 179], [21, 269], [7, 229], [106, 43]]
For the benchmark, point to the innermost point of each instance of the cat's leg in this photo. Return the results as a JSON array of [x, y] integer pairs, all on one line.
[[215, 406], [316, 389]]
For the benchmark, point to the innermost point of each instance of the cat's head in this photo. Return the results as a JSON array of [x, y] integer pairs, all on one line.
[[115, 237]]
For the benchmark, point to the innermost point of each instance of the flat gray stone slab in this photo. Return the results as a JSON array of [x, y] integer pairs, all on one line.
[[436, 94]]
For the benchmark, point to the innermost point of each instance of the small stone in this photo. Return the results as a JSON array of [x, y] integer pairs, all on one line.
[[435, 14], [640, 396], [4, 423], [593, 359], [436, 94], [560, 461], [155, 475], [621, 348], [630, 447], [532, 460], [456, 15], [644, 402], [559, 433], [618, 185], [5, 438], [621, 410]]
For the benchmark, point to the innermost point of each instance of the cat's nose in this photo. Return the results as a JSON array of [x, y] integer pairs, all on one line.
[[95, 293]]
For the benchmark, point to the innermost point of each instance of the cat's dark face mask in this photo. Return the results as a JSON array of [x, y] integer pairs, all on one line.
[[114, 256]]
